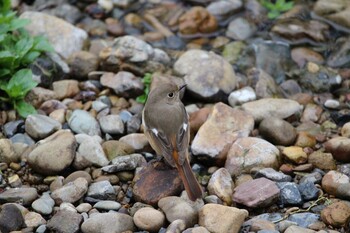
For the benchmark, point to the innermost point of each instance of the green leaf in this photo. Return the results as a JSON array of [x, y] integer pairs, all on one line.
[[287, 6], [141, 99], [30, 57], [42, 44], [20, 83], [18, 23], [4, 72], [23, 46], [273, 14], [23, 108], [5, 5], [6, 58]]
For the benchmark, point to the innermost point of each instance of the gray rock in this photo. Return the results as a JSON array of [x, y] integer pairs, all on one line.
[[91, 150], [102, 190], [81, 63], [11, 128], [215, 78], [7, 153], [240, 29], [34, 220], [22, 195], [108, 223], [177, 208], [44, 205], [339, 57], [277, 131], [40, 126], [223, 9], [289, 194], [107, 205], [264, 85], [54, 29], [304, 219], [265, 108], [308, 191], [41, 229], [314, 177], [177, 225], [124, 163], [274, 175], [11, 218], [62, 147], [70, 192], [112, 124], [65, 222], [124, 84], [82, 122], [22, 138], [221, 185]]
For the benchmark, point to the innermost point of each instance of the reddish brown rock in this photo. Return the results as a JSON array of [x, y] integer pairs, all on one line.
[[336, 214], [340, 148], [303, 55], [260, 192], [156, 181], [197, 20], [332, 180]]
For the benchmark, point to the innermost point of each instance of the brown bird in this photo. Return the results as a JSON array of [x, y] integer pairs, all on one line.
[[165, 122]]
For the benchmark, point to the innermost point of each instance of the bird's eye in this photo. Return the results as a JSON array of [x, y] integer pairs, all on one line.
[[171, 95]]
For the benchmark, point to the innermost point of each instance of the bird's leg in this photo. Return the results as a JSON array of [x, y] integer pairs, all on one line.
[[159, 163]]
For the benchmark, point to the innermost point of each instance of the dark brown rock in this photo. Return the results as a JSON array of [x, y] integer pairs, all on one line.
[[340, 148], [155, 181]]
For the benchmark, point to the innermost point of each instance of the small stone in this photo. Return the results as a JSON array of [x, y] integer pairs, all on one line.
[[138, 141], [82, 122], [11, 218], [65, 88], [251, 152], [107, 223], [102, 190], [224, 126], [91, 149], [241, 96], [305, 139], [34, 220], [339, 147], [332, 180], [22, 195], [312, 112], [277, 131], [67, 206], [289, 193], [295, 154], [297, 229], [81, 63], [75, 175], [112, 124], [322, 160], [333, 104], [268, 107], [345, 130], [39, 95], [196, 230], [219, 218], [149, 219], [304, 219], [177, 208], [44, 205], [70, 192], [7, 153], [107, 205], [40, 126], [152, 184], [221, 185], [302, 55], [308, 191], [62, 147], [176, 226], [256, 193], [125, 163], [240, 29], [273, 175], [113, 149], [65, 221], [336, 214], [84, 208]]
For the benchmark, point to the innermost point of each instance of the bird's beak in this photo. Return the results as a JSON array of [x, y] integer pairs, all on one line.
[[182, 87]]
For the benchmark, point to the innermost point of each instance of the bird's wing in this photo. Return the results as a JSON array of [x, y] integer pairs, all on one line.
[[182, 139]]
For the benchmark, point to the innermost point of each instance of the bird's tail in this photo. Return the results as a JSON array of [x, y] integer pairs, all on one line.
[[191, 184]]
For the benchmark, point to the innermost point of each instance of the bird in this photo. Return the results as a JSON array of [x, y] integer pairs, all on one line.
[[166, 126]]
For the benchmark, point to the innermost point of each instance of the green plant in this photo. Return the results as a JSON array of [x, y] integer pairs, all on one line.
[[147, 78], [17, 51], [275, 9]]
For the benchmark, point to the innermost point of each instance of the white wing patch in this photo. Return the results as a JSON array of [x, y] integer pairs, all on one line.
[[155, 131], [184, 126]]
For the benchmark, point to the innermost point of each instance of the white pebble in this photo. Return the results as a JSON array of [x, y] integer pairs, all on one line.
[[241, 96]]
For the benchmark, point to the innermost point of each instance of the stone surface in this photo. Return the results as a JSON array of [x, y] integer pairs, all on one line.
[[224, 126], [297, 229], [304, 219], [55, 29], [289, 193], [113, 148], [221, 185], [107, 205], [111, 124], [336, 214], [44, 205], [268, 107], [34, 220], [81, 63], [260, 192], [308, 191], [177, 208], [11, 218], [22, 195], [295, 154], [71, 192], [65, 221], [322, 160], [138, 141], [82, 122], [108, 223], [7, 153], [215, 78], [248, 153], [149, 219], [91, 150], [75, 175], [152, 184], [102, 190], [219, 218], [61, 145], [40, 126], [273, 175], [125, 163], [277, 131], [340, 148], [243, 95], [240, 29], [332, 180]]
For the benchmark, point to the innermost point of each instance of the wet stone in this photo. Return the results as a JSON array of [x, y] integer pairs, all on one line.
[[289, 193]]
